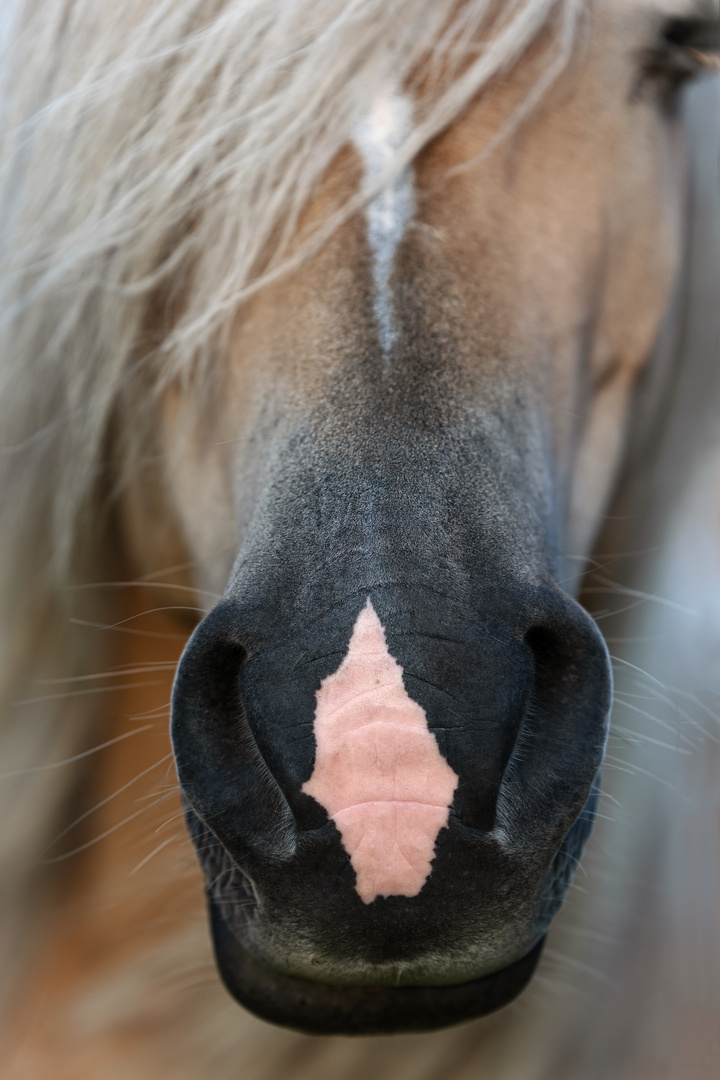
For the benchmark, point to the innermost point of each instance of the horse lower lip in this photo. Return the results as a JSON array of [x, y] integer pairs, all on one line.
[[320, 1009]]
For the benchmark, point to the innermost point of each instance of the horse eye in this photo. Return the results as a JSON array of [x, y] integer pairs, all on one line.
[[685, 49]]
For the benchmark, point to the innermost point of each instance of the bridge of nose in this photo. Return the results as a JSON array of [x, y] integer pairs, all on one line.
[[344, 711]]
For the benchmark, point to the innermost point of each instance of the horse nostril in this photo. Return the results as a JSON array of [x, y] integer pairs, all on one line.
[[568, 654], [220, 767], [554, 658], [561, 742]]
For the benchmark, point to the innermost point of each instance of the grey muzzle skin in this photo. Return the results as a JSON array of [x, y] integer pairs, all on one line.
[[515, 683]]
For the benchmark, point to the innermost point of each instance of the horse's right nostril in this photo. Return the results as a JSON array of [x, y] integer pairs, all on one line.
[[221, 770]]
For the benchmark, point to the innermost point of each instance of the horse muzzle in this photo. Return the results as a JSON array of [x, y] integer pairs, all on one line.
[[389, 798]]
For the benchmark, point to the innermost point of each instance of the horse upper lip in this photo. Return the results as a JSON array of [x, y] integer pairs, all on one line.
[[322, 1009]]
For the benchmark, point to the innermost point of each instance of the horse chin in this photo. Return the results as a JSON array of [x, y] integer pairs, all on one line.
[[321, 1009]]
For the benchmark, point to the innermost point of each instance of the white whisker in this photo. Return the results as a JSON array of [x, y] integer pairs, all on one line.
[[88, 690], [77, 757], [655, 719], [151, 611], [96, 839], [109, 798], [624, 590], [155, 851], [142, 583], [128, 630], [113, 673]]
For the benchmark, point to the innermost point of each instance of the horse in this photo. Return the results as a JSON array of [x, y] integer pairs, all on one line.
[[359, 393]]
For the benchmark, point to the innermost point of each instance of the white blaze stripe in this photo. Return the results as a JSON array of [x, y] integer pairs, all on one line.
[[378, 138]]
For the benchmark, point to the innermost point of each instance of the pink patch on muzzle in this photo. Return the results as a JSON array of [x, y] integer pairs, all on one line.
[[378, 770]]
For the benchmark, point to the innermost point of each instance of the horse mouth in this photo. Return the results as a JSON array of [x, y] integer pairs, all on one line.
[[321, 1009]]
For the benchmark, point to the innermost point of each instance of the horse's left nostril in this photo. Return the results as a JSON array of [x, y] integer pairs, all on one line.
[[561, 742]]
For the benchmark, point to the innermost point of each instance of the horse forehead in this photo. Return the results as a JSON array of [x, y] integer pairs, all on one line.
[[500, 186]]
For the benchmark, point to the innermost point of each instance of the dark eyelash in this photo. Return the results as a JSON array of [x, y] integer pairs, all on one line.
[[699, 35], [686, 48]]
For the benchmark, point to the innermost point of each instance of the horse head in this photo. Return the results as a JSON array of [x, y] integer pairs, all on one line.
[[389, 731]]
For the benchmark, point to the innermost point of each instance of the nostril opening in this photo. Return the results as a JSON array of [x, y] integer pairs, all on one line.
[[551, 655], [569, 654]]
